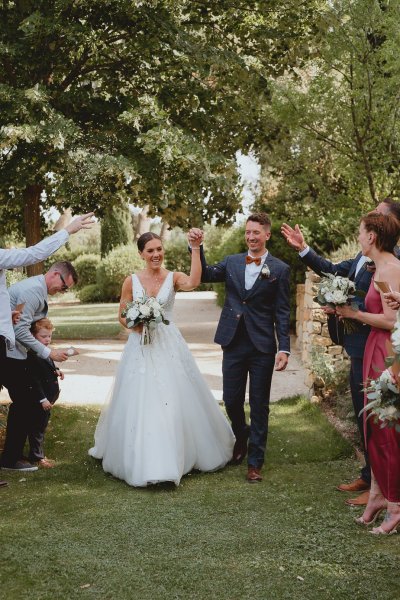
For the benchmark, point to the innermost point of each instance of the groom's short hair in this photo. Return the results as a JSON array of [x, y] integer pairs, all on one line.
[[262, 218]]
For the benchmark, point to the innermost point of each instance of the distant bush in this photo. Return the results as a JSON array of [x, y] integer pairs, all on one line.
[[86, 266], [116, 228], [347, 250], [114, 268], [90, 293], [177, 256]]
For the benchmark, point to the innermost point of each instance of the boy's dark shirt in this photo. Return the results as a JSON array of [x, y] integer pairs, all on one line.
[[42, 378]]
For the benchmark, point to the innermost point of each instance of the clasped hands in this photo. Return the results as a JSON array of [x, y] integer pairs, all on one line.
[[195, 237]]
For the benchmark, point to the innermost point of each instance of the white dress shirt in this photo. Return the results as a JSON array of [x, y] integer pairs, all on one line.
[[252, 271], [21, 257]]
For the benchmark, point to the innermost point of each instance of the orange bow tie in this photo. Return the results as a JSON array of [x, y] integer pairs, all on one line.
[[250, 259]]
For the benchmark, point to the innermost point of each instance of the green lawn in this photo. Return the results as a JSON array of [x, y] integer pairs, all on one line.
[[85, 321], [74, 532]]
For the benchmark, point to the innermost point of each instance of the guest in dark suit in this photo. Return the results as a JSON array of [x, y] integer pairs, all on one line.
[[43, 392], [357, 270], [255, 313]]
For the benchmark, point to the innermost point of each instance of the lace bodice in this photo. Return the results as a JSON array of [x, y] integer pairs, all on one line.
[[166, 294]]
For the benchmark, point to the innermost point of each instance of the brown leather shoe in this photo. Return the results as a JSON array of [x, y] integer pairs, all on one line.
[[358, 485], [3, 483], [253, 475], [361, 500]]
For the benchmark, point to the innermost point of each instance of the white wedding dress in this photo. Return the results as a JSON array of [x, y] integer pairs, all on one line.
[[161, 420]]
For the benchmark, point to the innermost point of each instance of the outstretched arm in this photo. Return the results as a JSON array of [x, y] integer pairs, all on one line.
[[21, 257]]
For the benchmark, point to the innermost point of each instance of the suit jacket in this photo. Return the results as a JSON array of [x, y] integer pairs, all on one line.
[[42, 378], [265, 308], [354, 343], [33, 292]]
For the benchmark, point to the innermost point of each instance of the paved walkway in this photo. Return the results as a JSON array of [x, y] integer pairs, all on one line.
[[88, 377]]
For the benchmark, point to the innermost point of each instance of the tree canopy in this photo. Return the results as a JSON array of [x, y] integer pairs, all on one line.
[[108, 101], [337, 147]]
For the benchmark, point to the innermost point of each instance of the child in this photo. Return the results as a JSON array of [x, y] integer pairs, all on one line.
[[44, 390]]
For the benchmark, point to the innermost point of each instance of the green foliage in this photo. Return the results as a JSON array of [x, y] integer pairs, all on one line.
[[337, 144], [334, 374], [346, 251], [113, 270], [90, 293], [86, 265], [116, 228], [145, 102], [13, 276], [177, 256]]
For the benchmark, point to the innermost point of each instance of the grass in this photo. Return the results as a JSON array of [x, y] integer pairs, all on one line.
[[85, 321], [75, 532]]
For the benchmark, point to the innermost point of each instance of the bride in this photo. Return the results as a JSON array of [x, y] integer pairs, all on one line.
[[161, 420]]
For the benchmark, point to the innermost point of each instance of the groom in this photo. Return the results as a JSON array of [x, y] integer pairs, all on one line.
[[256, 311]]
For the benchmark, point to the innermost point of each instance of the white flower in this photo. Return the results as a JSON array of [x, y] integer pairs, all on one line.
[[265, 272], [395, 338], [145, 310], [132, 313], [389, 412]]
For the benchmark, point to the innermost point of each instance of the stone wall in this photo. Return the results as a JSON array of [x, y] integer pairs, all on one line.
[[312, 329]]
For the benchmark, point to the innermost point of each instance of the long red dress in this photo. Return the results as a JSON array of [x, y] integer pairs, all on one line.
[[383, 444]]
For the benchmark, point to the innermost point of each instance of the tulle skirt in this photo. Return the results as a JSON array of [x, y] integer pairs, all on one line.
[[161, 420]]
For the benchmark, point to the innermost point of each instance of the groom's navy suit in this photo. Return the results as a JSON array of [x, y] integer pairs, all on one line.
[[353, 343], [250, 322]]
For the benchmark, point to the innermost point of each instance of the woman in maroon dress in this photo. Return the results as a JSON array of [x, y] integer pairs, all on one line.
[[378, 236]]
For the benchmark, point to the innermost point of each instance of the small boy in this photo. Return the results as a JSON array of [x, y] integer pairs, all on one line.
[[44, 390]]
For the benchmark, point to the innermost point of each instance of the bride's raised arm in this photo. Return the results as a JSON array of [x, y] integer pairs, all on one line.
[[189, 282]]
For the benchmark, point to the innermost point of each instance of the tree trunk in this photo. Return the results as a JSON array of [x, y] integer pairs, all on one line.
[[165, 232], [143, 225], [32, 222]]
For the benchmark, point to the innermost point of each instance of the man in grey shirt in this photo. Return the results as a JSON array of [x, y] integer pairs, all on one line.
[[33, 294], [21, 257]]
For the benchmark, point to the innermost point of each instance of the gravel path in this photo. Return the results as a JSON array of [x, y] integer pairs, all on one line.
[[88, 377]]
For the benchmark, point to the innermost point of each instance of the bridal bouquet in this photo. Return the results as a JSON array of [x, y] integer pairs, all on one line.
[[333, 291], [145, 310], [384, 401], [383, 393]]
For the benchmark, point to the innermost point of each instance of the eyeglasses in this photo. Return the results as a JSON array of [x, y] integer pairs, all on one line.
[[64, 287]]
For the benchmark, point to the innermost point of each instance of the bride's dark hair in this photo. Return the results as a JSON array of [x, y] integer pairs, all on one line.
[[146, 237]]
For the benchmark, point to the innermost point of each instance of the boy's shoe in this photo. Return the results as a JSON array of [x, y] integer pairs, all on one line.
[[3, 483], [19, 466]]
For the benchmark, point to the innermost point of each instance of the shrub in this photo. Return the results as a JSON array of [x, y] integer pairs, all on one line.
[[90, 293], [116, 228], [177, 256], [113, 269], [86, 265], [347, 250]]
